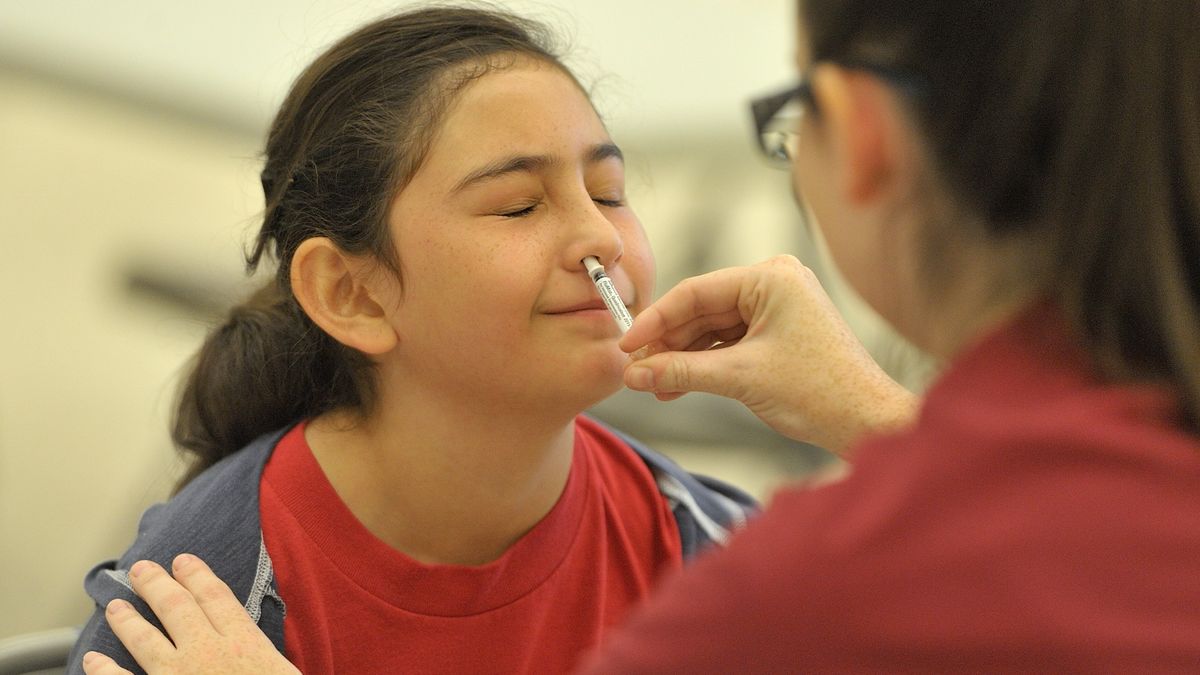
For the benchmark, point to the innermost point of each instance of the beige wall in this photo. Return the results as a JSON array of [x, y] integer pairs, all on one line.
[[92, 188], [88, 188]]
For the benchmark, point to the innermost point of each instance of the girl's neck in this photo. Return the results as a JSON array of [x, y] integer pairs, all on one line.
[[442, 486]]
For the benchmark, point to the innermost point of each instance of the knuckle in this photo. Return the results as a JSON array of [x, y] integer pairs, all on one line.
[[679, 374], [785, 260], [789, 264], [209, 593], [248, 636], [137, 635], [174, 600]]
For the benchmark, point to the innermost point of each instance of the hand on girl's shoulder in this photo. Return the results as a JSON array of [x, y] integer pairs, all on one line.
[[208, 629]]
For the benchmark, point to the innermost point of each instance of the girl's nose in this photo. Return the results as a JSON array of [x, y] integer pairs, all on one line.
[[592, 234]]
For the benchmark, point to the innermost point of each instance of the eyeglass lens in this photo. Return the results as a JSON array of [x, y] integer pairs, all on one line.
[[780, 134]]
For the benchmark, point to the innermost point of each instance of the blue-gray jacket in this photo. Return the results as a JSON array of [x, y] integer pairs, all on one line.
[[216, 517]]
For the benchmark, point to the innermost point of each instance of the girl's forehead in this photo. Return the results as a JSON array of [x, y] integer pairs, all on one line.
[[528, 113], [526, 87], [522, 108]]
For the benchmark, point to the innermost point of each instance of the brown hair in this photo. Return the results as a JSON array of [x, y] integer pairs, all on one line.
[[351, 133], [1072, 123]]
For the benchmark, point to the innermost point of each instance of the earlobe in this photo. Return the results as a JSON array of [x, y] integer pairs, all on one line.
[[331, 287]]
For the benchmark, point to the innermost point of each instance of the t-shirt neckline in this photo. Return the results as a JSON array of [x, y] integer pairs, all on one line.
[[295, 476]]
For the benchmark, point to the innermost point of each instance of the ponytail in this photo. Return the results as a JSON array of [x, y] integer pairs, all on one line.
[[267, 367]]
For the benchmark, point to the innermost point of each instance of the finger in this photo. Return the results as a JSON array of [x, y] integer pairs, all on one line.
[[145, 643], [715, 328], [647, 350], [717, 339], [712, 294], [697, 335], [684, 330], [709, 371], [218, 603], [175, 605], [95, 663], [641, 376]]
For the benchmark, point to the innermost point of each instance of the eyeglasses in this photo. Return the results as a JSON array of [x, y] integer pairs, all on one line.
[[777, 120], [777, 117]]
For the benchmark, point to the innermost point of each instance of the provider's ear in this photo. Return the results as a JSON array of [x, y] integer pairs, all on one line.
[[329, 285], [868, 130]]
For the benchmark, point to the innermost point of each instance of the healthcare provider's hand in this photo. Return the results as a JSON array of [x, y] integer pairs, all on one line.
[[211, 631], [770, 337]]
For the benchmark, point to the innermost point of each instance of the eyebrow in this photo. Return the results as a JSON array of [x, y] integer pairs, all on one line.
[[533, 164]]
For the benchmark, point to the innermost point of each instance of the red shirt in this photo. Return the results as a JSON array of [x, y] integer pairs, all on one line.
[[356, 605], [1034, 520]]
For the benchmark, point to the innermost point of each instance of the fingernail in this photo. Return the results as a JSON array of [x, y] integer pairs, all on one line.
[[138, 567], [183, 560], [639, 378], [89, 657], [118, 606]]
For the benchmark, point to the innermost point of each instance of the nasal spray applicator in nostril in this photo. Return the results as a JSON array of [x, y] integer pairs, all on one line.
[[608, 292]]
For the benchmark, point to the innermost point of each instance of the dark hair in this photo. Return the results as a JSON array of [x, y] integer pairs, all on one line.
[[351, 133], [1074, 124]]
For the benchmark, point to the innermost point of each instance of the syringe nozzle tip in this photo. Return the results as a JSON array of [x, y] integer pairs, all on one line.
[[592, 264]]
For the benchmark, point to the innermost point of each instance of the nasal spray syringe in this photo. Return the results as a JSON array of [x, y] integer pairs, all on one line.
[[608, 293]]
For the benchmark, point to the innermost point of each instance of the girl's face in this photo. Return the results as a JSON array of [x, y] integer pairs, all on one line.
[[520, 183]]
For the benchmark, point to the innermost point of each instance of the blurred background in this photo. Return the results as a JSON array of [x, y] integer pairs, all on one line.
[[129, 140]]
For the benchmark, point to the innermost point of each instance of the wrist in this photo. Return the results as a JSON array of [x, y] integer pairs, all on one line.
[[887, 408]]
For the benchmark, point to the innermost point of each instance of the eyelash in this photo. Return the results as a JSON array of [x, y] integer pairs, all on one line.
[[521, 213]]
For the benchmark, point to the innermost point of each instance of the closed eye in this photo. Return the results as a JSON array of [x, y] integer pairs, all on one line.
[[519, 213], [610, 203]]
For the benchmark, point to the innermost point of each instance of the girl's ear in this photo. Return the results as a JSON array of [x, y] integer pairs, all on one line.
[[866, 129], [329, 285]]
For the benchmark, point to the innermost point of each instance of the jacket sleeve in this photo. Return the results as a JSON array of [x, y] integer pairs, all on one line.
[[215, 517], [106, 582], [706, 510]]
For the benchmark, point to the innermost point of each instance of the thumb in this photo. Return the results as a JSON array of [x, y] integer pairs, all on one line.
[[713, 371]]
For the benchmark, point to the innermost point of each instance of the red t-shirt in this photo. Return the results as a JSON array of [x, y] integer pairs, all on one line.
[[1033, 520], [356, 605]]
